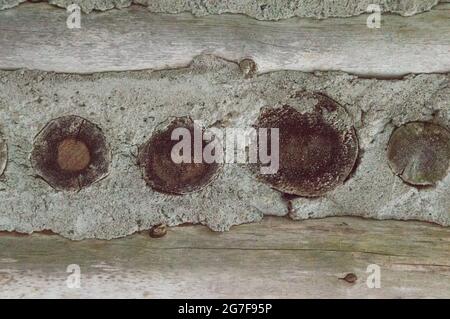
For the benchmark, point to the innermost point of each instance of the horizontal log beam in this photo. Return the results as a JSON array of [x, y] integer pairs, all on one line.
[[275, 258], [35, 36]]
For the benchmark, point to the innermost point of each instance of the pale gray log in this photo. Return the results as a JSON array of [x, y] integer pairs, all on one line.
[[277, 258], [35, 36]]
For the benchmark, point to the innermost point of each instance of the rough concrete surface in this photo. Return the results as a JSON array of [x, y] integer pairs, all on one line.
[[128, 106], [259, 9], [3, 155]]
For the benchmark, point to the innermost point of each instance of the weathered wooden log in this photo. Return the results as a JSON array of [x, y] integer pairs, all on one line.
[[276, 258], [35, 36]]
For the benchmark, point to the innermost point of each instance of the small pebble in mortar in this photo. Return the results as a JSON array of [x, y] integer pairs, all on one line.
[[248, 68], [158, 231]]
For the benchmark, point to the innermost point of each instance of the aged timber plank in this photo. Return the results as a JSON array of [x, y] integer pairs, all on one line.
[[275, 258], [35, 36]]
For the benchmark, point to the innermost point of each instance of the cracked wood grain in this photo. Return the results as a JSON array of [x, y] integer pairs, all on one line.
[[35, 36], [275, 258]]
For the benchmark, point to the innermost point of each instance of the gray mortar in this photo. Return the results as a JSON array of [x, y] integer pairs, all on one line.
[[6, 4], [128, 106], [3, 154], [259, 9]]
